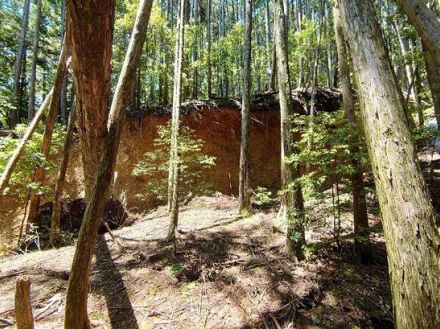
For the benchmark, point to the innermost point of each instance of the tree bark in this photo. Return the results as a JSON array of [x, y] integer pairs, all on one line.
[[433, 75], [173, 174], [91, 36], [292, 201], [15, 112], [19, 150], [360, 214], [39, 175], [412, 236], [209, 51], [23, 307], [31, 105], [244, 195], [426, 24], [76, 299], [59, 187]]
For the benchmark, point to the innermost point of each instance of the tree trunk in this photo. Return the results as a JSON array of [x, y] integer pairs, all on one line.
[[173, 175], [31, 105], [409, 222], [268, 48], [244, 195], [291, 202], [15, 112], [63, 102], [34, 201], [19, 150], [91, 43], [433, 74], [209, 51], [426, 24], [23, 307], [76, 299], [59, 187], [360, 214]]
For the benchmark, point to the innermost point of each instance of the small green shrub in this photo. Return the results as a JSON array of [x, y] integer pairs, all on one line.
[[22, 177], [192, 163]]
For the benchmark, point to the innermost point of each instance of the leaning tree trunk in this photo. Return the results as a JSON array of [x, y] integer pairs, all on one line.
[[412, 236], [426, 24], [91, 36], [173, 174], [19, 150], [77, 291], [244, 196], [31, 105], [59, 187], [292, 201], [15, 111], [39, 175], [360, 214]]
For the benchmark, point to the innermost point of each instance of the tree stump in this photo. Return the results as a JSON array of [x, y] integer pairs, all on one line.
[[23, 307]]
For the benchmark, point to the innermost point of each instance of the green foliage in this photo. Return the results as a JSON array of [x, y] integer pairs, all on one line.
[[262, 196], [192, 163], [32, 158], [323, 147], [175, 269]]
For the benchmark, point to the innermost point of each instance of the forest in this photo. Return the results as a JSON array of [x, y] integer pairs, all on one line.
[[220, 164]]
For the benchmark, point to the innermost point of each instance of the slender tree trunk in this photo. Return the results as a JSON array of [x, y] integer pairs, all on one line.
[[410, 229], [426, 24], [19, 150], [91, 41], [360, 214], [433, 74], [63, 102], [292, 201], [31, 105], [209, 51], [39, 175], [195, 53], [15, 112], [77, 291], [268, 47], [244, 196], [61, 179], [173, 177]]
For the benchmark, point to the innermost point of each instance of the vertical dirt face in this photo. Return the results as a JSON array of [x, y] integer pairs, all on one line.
[[218, 128]]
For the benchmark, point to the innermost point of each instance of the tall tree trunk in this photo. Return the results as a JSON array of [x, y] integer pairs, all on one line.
[[91, 42], [360, 214], [411, 233], [61, 179], [244, 196], [15, 112], [76, 299], [291, 202], [426, 24], [173, 177], [31, 105], [39, 175], [433, 74], [209, 51], [268, 47], [195, 52], [63, 102]]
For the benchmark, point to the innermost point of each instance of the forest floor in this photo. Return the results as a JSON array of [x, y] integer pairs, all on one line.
[[228, 272]]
